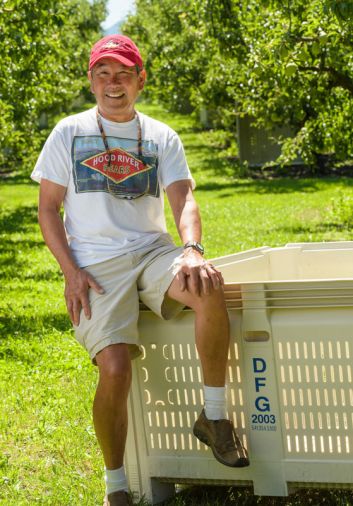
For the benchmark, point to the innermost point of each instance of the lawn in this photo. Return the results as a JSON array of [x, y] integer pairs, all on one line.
[[48, 453]]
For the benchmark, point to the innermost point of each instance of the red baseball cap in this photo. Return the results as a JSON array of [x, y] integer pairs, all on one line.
[[118, 47]]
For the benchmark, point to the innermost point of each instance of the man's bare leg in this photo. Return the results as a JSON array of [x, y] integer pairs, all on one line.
[[211, 331], [111, 420], [212, 341], [110, 403]]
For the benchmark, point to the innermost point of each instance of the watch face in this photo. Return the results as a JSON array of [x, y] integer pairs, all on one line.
[[199, 247]]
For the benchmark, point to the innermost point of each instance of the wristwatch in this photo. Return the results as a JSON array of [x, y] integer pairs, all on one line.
[[195, 245]]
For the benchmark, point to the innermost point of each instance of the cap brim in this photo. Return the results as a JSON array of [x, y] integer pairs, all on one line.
[[113, 56]]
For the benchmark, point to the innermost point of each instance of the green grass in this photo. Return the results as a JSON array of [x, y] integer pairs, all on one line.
[[48, 452]]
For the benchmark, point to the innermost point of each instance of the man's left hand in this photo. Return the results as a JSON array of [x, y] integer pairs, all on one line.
[[197, 275]]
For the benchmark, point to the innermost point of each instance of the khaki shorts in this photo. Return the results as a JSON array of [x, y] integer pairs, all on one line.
[[145, 275]]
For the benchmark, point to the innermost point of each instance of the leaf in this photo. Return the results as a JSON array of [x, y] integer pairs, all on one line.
[[290, 69]]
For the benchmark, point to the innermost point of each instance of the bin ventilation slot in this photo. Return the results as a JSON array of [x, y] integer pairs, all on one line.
[[316, 396], [172, 388]]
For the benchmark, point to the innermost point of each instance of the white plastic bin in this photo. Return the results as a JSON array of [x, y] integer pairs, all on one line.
[[290, 391]]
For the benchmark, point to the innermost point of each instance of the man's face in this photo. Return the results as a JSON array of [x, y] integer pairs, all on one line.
[[116, 88]]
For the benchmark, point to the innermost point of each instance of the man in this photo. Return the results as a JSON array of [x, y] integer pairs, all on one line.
[[108, 166]]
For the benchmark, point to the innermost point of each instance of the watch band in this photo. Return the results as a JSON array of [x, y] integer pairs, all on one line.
[[195, 245]]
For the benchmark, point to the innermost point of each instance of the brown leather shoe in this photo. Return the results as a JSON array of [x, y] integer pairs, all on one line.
[[223, 440], [120, 498]]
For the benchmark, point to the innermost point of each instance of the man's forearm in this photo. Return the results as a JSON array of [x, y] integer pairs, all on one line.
[[54, 235], [188, 222]]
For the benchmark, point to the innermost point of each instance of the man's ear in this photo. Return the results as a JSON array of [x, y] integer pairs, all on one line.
[[90, 78], [142, 79]]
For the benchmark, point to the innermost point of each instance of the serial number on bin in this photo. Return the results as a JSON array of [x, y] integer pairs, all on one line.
[[268, 428], [263, 418]]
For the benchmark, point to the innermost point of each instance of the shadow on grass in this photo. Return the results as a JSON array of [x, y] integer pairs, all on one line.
[[18, 220], [15, 324], [16, 179], [244, 496], [274, 186], [28, 331], [13, 267], [11, 244], [18, 244], [314, 228]]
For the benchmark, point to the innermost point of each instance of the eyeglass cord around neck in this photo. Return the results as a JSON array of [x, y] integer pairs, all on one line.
[[105, 140]]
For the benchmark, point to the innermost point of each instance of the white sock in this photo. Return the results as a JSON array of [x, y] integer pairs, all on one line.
[[115, 479], [215, 402]]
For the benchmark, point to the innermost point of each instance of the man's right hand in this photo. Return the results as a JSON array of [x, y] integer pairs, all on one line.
[[76, 294]]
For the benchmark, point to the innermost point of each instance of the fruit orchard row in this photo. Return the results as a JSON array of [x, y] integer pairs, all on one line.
[[281, 62], [44, 52]]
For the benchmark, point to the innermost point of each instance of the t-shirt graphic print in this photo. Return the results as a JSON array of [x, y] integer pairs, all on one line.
[[126, 177]]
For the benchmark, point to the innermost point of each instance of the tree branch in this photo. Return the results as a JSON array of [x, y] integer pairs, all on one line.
[[338, 79]]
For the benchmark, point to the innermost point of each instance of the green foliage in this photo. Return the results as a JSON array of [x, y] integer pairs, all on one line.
[[283, 63], [44, 53], [170, 41]]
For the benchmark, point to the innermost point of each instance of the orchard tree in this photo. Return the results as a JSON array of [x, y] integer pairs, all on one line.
[[175, 47], [281, 62], [299, 72], [44, 53]]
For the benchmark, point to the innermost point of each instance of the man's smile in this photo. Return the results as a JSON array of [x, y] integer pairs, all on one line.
[[115, 95]]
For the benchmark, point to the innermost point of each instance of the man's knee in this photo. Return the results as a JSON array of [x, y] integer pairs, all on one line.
[[114, 366], [214, 301]]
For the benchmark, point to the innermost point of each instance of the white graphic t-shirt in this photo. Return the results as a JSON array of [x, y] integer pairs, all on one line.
[[102, 216]]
